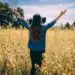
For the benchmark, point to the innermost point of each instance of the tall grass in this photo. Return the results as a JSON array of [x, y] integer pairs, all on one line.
[[59, 58]]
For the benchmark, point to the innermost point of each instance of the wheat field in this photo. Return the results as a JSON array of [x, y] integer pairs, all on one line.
[[59, 58]]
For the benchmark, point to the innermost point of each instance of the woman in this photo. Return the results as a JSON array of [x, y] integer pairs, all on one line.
[[37, 36]]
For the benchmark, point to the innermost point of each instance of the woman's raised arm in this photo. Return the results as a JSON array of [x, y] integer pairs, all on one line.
[[49, 25]]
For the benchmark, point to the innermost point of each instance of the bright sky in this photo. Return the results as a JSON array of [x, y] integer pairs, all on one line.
[[47, 8]]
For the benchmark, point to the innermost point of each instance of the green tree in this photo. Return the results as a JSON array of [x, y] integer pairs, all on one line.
[[73, 24], [67, 25], [8, 16], [21, 12]]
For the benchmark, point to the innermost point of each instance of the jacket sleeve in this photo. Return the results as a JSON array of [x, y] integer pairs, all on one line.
[[49, 25], [24, 23]]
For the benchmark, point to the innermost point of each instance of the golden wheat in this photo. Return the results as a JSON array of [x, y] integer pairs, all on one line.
[[59, 58]]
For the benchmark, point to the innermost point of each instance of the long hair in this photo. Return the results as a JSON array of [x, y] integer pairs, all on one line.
[[35, 27]]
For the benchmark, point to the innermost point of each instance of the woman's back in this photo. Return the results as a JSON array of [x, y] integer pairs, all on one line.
[[38, 44]]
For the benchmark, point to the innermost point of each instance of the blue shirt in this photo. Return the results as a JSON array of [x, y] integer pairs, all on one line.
[[40, 44]]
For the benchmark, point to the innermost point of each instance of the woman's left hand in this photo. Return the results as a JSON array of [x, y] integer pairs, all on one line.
[[63, 12]]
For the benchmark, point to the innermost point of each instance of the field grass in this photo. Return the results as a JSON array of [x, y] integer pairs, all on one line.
[[59, 58]]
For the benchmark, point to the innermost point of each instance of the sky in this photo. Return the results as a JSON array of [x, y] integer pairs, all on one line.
[[46, 8]]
